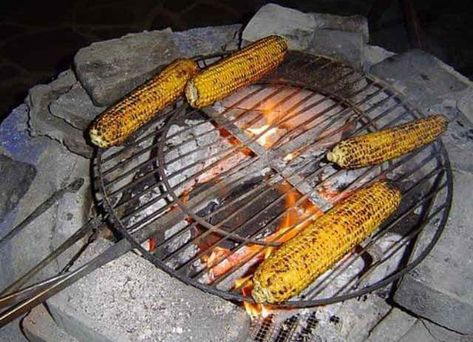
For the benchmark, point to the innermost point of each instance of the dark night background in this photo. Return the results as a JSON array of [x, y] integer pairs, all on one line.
[[39, 38]]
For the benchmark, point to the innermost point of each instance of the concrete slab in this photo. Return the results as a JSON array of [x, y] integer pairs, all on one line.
[[130, 300], [425, 331], [395, 325], [39, 326], [440, 287]]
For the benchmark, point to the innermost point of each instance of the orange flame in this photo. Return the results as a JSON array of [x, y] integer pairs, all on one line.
[[222, 260], [265, 136]]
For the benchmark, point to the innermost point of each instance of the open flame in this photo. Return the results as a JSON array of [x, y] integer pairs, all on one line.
[[265, 136], [222, 260]]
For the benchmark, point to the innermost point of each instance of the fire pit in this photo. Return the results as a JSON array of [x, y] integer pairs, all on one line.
[[226, 185], [207, 195]]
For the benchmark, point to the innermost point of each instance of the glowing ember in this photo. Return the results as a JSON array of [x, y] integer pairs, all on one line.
[[299, 213], [266, 136], [290, 157]]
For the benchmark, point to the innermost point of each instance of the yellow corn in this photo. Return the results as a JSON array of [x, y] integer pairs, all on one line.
[[298, 262], [377, 147], [236, 71], [119, 121]]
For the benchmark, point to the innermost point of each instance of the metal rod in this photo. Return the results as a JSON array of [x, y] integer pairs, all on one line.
[[79, 234], [72, 187]]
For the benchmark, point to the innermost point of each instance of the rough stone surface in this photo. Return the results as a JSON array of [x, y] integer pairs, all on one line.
[[296, 26], [351, 320], [345, 46], [458, 139], [425, 331], [424, 79], [440, 287], [374, 55], [43, 123], [207, 40], [395, 325], [56, 167], [110, 69], [355, 23], [142, 303], [12, 332], [15, 181], [75, 107], [39, 326]]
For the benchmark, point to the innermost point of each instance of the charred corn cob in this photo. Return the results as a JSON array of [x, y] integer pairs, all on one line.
[[377, 147], [236, 71], [119, 121], [298, 262]]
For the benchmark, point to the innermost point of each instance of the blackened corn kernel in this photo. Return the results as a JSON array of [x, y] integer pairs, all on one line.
[[298, 262], [118, 122], [377, 147]]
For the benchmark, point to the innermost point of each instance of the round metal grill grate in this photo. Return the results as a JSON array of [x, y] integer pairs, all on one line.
[[206, 194]]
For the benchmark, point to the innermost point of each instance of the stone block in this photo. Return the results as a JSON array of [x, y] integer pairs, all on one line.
[[75, 107], [296, 26], [423, 79], [393, 326], [355, 23], [15, 181], [350, 320], [142, 303], [375, 54], [345, 46], [39, 326], [440, 287], [12, 332], [55, 167], [110, 69], [43, 123], [207, 40], [425, 331]]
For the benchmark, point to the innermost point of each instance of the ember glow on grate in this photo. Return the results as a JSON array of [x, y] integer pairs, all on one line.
[[210, 193]]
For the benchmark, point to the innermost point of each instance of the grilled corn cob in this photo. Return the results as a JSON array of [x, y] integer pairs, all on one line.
[[119, 121], [377, 147], [298, 262], [236, 71]]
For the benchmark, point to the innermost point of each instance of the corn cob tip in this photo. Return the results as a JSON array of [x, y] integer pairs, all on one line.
[[191, 92], [260, 294], [96, 138], [332, 156]]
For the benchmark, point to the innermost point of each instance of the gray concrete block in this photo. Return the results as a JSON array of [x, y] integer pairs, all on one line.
[[56, 167], [207, 40], [375, 54], [75, 107], [110, 69], [425, 80], [297, 27], [425, 331], [355, 23], [39, 326], [392, 327], [350, 320], [43, 123], [345, 46], [12, 332], [440, 287], [15, 181], [130, 300]]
